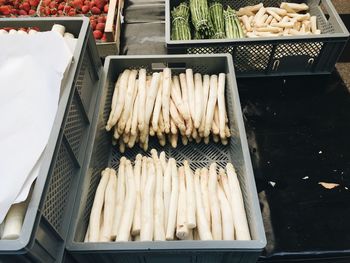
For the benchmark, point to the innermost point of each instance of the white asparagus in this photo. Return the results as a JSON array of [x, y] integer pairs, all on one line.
[[224, 183], [205, 194], [163, 161], [173, 206], [203, 225], [190, 197], [221, 104], [133, 139], [95, 215], [177, 98], [173, 127], [228, 232], [273, 14], [109, 207], [216, 227], [166, 98], [133, 112], [12, 225], [184, 139], [184, 93], [121, 97], [121, 146], [142, 99], [198, 93], [86, 238], [238, 210], [215, 124], [137, 238], [246, 23], [313, 24], [190, 92], [268, 20], [136, 225], [270, 29], [114, 103], [147, 211], [167, 190], [259, 15], [119, 205], [213, 94], [129, 207], [206, 86], [150, 100], [173, 140], [157, 105], [177, 118], [158, 231], [279, 11], [182, 230], [249, 10], [143, 176], [294, 6], [128, 101]]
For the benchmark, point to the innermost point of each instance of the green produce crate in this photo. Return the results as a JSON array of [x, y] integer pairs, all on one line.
[[272, 56], [101, 154], [46, 221]]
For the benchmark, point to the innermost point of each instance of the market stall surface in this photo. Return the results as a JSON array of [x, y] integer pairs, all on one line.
[[297, 129]]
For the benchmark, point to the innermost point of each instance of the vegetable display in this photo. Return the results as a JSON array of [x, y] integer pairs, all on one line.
[[289, 19], [187, 106], [212, 21], [175, 203], [180, 24]]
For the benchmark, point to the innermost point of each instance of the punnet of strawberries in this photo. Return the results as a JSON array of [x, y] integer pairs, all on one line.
[[12, 8]]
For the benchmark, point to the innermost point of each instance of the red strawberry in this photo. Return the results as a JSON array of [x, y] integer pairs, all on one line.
[[100, 3], [87, 3], [60, 12], [60, 6], [95, 10], [93, 25], [14, 12], [31, 12], [67, 9], [34, 3], [97, 34], [85, 9], [100, 26], [26, 6], [53, 11], [53, 5], [77, 4], [5, 10], [46, 2], [105, 8], [47, 11], [104, 38], [92, 4], [22, 12], [101, 19], [72, 12]]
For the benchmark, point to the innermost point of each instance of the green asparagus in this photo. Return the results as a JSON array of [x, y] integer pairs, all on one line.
[[217, 17], [180, 22]]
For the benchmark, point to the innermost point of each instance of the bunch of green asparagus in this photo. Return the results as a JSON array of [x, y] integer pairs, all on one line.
[[180, 23]]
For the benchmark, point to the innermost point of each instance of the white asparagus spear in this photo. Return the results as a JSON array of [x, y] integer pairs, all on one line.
[[163, 161], [158, 231], [137, 238], [190, 92], [129, 207], [101, 226], [114, 103], [216, 227], [221, 103], [216, 138], [95, 215], [184, 139], [173, 206], [86, 238], [121, 146], [176, 117], [143, 176], [177, 98], [166, 98], [294, 6], [239, 215], [109, 206], [198, 91], [142, 99], [206, 85], [133, 112], [128, 101], [173, 127], [190, 197], [184, 92], [182, 230], [213, 94], [136, 225], [226, 216], [116, 135], [205, 194], [202, 223], [167, 189], [224, 183], [173, 140], [157, 105], [121, 97], [120, 197], [147, 211], [132, 140], [313, 24], [14, 221]]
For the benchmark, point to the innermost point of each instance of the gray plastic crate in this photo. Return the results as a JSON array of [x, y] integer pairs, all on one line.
[[47, 218], [101, 154], [271, 56]]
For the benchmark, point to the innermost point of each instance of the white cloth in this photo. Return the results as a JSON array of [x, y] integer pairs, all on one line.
[[31, 71]]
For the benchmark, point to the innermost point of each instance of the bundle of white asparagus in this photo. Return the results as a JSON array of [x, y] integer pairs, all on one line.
[[288, 20], [155, 201], [190, 106]]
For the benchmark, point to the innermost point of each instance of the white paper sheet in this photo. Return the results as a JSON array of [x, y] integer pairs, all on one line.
[[31, 71]]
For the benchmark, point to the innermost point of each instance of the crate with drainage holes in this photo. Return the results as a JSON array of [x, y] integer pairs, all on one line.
[[279, 39], [145, 180], [47, 213]]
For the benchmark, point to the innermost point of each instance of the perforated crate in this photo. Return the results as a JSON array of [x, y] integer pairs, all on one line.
[[269, 56], [46, 221], [102, 154]]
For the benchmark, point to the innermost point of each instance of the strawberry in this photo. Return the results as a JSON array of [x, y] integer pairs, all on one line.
[[34, 3], [67, 9], [100, 26], [85, 9], [77, 4], [95, 10], [100, 3], [26, 6], [31, 12], [92, 4], [101, 19], [52, 5], [104, 38], [53, 12], [14, 12], [5, 10], [72, 12], [46, 2], [97, 34], [22, 12], [86, 2], [105, 8], [60, 12], [47, 11], [93, 25], [60, 6]]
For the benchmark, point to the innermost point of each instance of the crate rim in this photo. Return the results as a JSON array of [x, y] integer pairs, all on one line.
[[267, 40], [33, 212], [229, 245]]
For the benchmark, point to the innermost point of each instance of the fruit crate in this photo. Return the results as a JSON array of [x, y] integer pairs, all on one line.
[[46, 221], [272, 56], [101, 154]]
